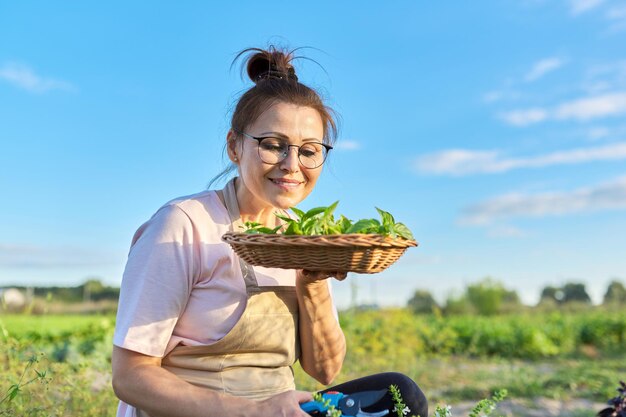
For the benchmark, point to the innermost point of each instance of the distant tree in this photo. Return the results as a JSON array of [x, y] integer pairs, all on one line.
[[510, 297], [486, 296], [422, 302], [575, 292], [92, 287], [458, 305], [551, 294], [615, 293]]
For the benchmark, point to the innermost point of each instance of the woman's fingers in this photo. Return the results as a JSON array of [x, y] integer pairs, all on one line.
[[320, 275], [286, 404], [340, 275], [303, 396]]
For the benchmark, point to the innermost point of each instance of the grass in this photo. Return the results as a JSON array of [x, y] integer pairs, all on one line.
[[20, 325], [454, 379], [75, 353]]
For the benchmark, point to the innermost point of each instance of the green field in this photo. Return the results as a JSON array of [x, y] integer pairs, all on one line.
[[555, 355]]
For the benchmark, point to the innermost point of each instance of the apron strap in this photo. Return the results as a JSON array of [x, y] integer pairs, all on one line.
[[230, 200]]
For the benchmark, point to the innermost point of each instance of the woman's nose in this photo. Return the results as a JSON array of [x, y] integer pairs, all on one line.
[[291, 162]]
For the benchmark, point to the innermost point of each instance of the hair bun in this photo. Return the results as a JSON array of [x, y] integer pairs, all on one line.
[[270, 64]]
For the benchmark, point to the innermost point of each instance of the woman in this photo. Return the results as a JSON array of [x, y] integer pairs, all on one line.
[[199, 332]]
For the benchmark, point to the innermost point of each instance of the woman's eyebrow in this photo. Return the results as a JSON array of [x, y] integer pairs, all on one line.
[[274, 134], [283, 136]]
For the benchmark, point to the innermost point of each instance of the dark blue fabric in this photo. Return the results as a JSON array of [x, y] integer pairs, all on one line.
[[412, 395]]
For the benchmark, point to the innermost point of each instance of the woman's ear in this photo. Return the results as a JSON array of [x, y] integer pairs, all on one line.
[[231, 147]]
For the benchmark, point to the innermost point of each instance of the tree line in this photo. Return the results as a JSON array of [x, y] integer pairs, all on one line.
[[91, 290], [489, 297]]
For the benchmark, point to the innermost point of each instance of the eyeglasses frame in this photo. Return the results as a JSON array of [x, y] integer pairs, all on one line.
[[289, 146]]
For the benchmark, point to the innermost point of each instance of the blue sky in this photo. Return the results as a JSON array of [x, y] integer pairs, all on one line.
[[496, 130]]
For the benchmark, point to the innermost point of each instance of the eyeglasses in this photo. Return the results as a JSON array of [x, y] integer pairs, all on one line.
[[274, 150]]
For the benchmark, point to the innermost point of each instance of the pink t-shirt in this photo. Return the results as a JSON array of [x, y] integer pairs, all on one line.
[[182, 284]]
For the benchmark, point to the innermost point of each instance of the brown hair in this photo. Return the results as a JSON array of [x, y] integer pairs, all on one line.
[[275, 80]]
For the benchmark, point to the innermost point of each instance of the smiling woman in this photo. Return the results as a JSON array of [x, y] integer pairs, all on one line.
[[201, 333]]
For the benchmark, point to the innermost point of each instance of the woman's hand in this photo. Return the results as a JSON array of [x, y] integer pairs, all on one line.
[[308, 277], [286, 404]]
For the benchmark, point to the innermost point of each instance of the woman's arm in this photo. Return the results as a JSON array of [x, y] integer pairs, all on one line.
[[140, 381], [322, 342]]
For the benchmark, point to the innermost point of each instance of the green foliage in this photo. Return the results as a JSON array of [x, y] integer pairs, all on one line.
[[569, 293], [486, 406], [331, 410], [321, 221], [372, 334], [399, 407], [575, 292], [451, 358], [458, 305], [54, 372], [17, 387], [615, 293], [422, 302], [486, 296]]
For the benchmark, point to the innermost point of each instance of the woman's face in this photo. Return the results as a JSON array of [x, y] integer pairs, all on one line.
[[286, 184]]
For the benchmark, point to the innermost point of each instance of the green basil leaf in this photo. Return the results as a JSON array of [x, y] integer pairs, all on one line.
[[285, 218], [386, 218], [307, 226], [330, 209], [298, 212], [293, 229], [345, 223], [363, 226], [403, 231], [313, 212]]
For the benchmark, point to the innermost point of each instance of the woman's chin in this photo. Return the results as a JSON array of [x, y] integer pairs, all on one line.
[[286, 202]]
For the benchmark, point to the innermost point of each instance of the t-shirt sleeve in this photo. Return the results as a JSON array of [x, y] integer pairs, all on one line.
[[157, 282]]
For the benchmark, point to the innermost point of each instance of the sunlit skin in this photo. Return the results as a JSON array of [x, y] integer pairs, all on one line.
[[263, 188]]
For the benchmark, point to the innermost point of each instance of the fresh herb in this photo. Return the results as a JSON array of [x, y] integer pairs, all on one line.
[[482, 409], [321, 221], [399, 407], [18, 387], [331, 411], [486, 406]]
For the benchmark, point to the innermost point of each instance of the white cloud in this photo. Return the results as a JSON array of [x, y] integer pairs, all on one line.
[[606, 196], [617, 19], [24, 77], [524, 117], [543, 67], [603, 132], [493, 96], [616, 13], [582, 6], [347, 145], [464, 162], [500, 95], [596, 133], [605, 78], [584, 109], [593, 107]]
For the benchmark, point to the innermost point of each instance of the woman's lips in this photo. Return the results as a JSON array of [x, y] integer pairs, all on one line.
[[285, 183]]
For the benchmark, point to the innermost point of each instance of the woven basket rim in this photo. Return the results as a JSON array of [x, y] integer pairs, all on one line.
[[352, 239]]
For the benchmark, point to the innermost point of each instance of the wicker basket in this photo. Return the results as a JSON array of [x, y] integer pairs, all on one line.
[[361, 253]]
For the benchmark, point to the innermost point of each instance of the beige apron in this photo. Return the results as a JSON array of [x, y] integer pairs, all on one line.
[[254, 360]]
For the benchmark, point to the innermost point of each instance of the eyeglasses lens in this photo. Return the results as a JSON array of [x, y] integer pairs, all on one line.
[[273, 151]]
